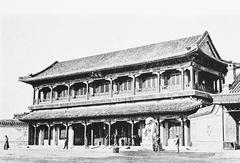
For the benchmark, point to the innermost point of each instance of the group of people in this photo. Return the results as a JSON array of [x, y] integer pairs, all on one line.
[[157, 146]]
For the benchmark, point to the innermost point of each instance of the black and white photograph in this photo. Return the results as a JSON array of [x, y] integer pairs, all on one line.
[[119, 81]]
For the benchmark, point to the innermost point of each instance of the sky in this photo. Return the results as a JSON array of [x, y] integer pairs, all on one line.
[[34, 34]]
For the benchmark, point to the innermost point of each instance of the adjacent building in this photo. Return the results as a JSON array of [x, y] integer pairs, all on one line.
[[105, 99], [17, 132]]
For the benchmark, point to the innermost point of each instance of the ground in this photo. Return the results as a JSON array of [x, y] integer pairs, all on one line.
[[105, 155]]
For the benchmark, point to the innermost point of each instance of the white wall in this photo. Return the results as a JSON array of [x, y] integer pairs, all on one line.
[[18, 135], [206, 131]]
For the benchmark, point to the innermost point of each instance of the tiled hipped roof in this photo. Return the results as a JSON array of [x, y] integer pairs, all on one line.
[[12, 122], [163, 106], [138, 55], [235, 88]]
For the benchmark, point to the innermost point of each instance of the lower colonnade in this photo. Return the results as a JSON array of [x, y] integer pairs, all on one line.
[[123, 132]]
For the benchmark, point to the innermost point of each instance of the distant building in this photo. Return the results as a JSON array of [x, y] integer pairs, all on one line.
[[91, 100], [17, 132], [228, 103]]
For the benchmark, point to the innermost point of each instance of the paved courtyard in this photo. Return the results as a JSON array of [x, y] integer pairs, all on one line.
[[105, 155]]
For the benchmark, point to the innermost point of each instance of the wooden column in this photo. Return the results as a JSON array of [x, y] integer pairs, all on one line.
[[161, 131], [158, 82], [134, 84], [38, 95], [165, 140], [51, 94], [216, 86], [34, 92], [182, 132], [111, 87], [54, 135], [57, 130], [237, 131], [158, 127], [85, 134], [187, 132], [158, 88], [92, 135], [87, 90], [35, 134], [49, 134], [182, 79], [68, 92], [132, 136], [67, 134], [161, 80], [220, 85], [109, 133], [197, 77], [191, 77], [70, 136], [42, 136]]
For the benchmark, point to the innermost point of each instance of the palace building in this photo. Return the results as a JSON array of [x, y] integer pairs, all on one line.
[[105, 99]]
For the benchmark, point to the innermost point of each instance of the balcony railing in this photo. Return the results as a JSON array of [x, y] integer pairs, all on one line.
[[171, 87], [204, 88], [128, 93]]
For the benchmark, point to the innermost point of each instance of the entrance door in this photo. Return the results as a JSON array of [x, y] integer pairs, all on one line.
[[78, 135], [173, 130]]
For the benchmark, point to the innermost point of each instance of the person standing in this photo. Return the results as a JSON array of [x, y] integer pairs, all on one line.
[[65, 144], [6, 144], [177, 143], [159, 145]]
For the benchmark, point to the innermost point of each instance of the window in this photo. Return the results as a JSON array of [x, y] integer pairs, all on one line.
[[62, 92], [154, 82], [149, 82], [62, 132], [46, 95], [102, 88], [107, 87], [125, 85], [173, 79], [129, 84], [82, 91]]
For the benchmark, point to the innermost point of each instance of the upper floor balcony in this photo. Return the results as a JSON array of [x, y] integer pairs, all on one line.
[[147, 83]]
